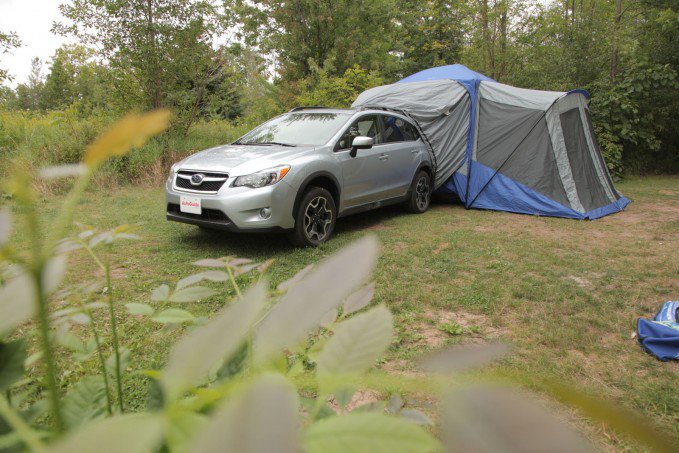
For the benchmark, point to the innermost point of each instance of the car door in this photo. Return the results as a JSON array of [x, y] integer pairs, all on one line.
[[365, 177], [400, 144]]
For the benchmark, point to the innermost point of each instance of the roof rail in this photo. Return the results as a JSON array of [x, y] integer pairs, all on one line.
[[310, 107]]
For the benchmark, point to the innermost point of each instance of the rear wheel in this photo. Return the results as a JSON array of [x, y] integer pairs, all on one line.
[[315, 218], [420, 193]]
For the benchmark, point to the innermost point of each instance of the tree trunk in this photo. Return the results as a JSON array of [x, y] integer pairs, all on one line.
[[154, 63], [615, 44], [503, 41]]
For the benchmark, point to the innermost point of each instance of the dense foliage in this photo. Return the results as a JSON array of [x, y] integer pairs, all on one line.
[[243, 61]]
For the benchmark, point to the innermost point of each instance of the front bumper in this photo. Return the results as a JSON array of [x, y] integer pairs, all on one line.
[[237, 208]]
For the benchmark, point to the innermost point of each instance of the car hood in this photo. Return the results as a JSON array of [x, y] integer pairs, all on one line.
[[242, 159]]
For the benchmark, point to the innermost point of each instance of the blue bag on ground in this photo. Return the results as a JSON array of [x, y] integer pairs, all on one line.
[[660, 336]]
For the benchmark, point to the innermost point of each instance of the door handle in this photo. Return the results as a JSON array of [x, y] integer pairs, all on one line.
[[383, 157], [414, 151]]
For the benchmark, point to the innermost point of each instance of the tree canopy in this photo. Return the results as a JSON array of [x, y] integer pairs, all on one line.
[[250, 59]]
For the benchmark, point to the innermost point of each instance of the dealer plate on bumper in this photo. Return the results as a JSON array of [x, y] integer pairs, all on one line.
[[190, 205]]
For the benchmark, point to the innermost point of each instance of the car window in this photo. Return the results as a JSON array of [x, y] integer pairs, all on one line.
[[398, 130], [366, 126]]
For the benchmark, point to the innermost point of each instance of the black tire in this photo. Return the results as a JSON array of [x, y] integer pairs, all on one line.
[[420, 193], [315, 218]]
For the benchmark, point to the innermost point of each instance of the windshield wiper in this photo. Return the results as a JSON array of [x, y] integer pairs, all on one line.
[[264, 143], [274, 143]]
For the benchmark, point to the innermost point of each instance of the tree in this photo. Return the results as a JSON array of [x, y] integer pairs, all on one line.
[[160, 42], [298, 35], [28, 94], [431, 34], [8, 41]]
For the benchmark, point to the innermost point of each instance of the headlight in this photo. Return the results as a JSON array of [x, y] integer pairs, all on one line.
[[262, 178], [174, 168]]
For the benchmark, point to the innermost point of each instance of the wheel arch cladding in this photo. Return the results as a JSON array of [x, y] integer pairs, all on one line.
[[322, 179]]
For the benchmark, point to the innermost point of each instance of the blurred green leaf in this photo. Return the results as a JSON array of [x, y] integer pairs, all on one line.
[[5, 225], [125, 356], [263, 418], [356, 344], [191, 294], [212, 275], [139, 309], [615, 417], [12, 358], [53, 273], [132, 130], [491, 419], [287, 284], [359, 299], [458, 359], [16, 302], [192, 358], [367, 432], [416, 416], [173, 316], [85, 401], [303, 306], [133, 433], [161, 293]]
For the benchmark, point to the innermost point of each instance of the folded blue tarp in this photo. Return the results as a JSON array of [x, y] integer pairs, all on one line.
[[660, 336]]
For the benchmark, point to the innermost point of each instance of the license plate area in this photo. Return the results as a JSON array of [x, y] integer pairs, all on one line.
[[190, 205]]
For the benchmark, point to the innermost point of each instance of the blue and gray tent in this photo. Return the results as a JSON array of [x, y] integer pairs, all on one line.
[[504, 148]]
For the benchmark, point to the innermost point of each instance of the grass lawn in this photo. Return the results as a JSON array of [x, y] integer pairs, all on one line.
[[565, 293]]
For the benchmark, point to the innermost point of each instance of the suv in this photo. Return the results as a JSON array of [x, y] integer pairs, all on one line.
[[301, 171]]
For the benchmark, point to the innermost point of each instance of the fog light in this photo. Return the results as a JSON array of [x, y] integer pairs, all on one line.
[[265, 213]]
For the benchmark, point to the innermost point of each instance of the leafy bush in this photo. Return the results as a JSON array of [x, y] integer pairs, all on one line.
[[322, 89], [259, 375], [636, 113]]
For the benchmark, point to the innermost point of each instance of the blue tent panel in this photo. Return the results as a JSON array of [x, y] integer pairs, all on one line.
[[505, 194], [453, 72]]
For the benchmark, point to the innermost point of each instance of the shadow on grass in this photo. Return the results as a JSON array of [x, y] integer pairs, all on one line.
[[275, 243]]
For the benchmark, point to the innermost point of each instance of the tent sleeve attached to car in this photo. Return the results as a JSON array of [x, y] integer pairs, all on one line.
[[504, 148]]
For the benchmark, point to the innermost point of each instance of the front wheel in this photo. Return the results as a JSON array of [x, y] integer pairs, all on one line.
[[315, 218], [420, 193]]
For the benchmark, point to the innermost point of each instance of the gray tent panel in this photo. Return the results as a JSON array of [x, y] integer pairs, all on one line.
[[590, 188], [516, 142], [441, 109]]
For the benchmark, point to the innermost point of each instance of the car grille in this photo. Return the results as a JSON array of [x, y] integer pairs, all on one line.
[[212, 182], [212, 215]]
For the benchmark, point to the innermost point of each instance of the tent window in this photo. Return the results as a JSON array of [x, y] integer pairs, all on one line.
[[516, 142], [366, 126], [590, 189], [599, 155], [396, 129]]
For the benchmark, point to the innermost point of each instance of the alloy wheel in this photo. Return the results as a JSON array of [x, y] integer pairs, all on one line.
[[317, 218], [422, 193]]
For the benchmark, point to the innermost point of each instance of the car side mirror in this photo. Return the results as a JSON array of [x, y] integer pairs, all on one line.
[[360, 142]]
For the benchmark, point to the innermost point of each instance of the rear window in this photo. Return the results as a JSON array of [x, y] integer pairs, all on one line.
[[398, 130]]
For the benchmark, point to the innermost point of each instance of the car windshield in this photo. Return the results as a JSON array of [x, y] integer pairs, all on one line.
[[304, 128]]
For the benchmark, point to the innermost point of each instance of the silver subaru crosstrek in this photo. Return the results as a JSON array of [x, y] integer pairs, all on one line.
[[301, 171]]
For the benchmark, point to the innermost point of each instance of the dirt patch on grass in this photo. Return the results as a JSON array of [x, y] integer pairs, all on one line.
[[360, 398], [439, 326]]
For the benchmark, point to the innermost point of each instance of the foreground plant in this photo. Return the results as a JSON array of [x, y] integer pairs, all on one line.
[[263, 374]]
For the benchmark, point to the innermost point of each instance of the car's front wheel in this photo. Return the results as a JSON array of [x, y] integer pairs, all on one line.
[[315, 218], [420, 193]]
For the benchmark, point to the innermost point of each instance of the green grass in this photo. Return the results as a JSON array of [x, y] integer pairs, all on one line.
[[564, 293]]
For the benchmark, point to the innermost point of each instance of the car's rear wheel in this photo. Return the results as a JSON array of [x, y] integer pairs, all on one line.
[[420, 193], [315, 218]]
